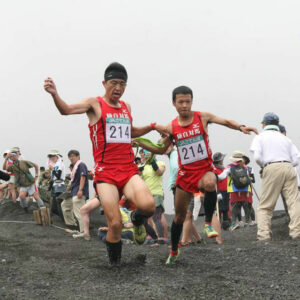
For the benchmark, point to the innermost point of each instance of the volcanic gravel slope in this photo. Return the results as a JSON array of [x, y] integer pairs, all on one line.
[[47, 263]]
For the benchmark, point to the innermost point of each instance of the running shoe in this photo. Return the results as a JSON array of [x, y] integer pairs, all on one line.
[[139, 234], [172, 258], [209, 231]]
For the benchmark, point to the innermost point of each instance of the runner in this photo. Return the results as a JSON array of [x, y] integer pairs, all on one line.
[[189, 131], [111, 130]]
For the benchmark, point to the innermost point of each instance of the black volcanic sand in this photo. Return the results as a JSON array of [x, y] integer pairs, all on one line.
[[47, 263]]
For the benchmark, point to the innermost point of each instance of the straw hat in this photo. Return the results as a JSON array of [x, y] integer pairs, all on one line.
[[237, 156]]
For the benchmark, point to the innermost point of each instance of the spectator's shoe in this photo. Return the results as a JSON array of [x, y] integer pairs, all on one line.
[[252, 223], [172, 258], [139, 234], [81, 235], [209, 231], [149, 240], [234, 226], [241, 224]]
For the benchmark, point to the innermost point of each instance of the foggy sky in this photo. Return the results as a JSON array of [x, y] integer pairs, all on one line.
[[241, 58]]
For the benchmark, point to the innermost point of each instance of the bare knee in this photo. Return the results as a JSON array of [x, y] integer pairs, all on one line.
[[115, 226], [147, 207], [209, 185]]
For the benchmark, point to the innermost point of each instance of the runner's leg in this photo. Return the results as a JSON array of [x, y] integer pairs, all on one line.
[[182, 201], [109, 195]]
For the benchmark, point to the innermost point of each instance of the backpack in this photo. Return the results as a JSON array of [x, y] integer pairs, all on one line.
[[239, 176]]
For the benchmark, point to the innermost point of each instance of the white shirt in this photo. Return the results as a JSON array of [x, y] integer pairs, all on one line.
[[271, 146]]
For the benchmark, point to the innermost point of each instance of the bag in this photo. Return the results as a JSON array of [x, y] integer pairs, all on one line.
[[29, 177], [239, 176], [59, 188]]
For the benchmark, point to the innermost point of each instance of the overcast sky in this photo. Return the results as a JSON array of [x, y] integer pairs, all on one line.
[[241, 58]]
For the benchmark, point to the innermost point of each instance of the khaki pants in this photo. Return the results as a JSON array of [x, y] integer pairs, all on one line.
[[71, 207], [278, 178]]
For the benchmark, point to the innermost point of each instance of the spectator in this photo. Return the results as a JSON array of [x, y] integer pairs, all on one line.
[[57, 168], [223, 196], [79, 188], [23, 178], [238, 185], [11, 182], [152, 175], [127, 228], [276, 155]]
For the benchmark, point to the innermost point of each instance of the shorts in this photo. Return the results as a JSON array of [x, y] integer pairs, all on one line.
[[11, 179], [189, 180], [30, 190], [117, 175]]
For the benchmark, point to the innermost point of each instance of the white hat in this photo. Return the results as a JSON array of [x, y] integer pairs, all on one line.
[[54, 153]]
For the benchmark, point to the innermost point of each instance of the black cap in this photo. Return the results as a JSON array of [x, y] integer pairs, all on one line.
[[115, 71]]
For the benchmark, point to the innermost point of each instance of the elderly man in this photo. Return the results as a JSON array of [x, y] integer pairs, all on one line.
[[277, 155]]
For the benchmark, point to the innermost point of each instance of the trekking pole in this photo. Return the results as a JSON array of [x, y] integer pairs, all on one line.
[[252, 186]]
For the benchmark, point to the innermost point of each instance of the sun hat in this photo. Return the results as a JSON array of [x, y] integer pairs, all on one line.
[[54, 152], [237, 156]]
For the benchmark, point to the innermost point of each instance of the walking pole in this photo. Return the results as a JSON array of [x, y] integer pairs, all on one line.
[[252, 187]]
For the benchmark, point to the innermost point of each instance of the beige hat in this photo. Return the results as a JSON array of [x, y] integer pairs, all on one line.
[[15, 150], [237, 156], [54, 152]]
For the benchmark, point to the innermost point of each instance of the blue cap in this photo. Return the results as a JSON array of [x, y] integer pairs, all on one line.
[[271, 118]]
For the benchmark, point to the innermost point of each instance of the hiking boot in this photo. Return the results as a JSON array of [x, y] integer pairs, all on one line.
[[172, 258], [81, 235], [209, 231]]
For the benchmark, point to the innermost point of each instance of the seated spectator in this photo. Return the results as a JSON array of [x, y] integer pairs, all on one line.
[[127, 227]]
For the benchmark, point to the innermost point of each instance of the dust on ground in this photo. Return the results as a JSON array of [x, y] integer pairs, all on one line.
[[47, 263]]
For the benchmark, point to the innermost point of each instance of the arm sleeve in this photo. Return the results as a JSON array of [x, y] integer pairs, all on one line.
[[257, 151], [224, 174]]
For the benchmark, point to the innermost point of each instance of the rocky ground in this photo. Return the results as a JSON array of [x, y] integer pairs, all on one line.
[[47, 263]]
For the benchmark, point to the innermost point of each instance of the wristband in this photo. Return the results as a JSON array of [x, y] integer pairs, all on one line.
[[241, 127], [154, 165], [152, 125]]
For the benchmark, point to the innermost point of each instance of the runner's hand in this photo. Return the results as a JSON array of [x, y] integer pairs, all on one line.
[[247, 130], [50, 87], [134, 143], [162, 130]]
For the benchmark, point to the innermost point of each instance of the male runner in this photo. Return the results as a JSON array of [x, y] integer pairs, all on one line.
[[111, 130], [196, 171]]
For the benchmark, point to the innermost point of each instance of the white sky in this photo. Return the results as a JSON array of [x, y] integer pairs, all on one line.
[[241, 58]]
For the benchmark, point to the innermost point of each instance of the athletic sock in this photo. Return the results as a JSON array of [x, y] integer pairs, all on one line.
[[176, 230], [114, 251], [210, 200], [137, 218]]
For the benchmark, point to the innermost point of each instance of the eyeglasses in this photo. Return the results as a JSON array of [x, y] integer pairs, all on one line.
[[115, 83]]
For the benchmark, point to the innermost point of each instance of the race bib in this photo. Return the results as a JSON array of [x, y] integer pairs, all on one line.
[[118, 130], [191, 150]]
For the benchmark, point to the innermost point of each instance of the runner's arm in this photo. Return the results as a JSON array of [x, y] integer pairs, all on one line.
[[36, 168], [166, 141], [210, 118], [4, 167], [64, 108]]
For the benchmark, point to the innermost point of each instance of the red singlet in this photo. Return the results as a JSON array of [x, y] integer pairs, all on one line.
[[194, 153], [111, 139]]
